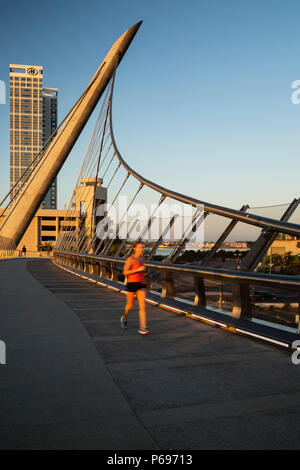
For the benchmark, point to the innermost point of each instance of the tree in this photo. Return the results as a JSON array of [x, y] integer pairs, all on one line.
[[276, 259], [47, 246]]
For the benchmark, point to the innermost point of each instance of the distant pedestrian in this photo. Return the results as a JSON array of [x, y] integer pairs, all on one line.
[[134, 269], [24, 250]]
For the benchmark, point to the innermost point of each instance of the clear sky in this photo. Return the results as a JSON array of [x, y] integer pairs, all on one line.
[[202, 100]]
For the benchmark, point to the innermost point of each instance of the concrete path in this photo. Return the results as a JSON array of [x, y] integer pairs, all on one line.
[[75, 380], [56, 392]]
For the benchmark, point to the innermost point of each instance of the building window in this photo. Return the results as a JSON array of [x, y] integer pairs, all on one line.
[[49, 228], [48, 238]]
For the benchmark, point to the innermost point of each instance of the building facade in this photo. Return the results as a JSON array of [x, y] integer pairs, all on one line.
[[45, 226], [33, 118], [284, 244], [49, 126], [50, 224], [26, 119]]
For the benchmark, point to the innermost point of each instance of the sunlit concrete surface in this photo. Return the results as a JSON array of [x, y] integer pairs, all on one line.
[[74, 379], [56, 391]]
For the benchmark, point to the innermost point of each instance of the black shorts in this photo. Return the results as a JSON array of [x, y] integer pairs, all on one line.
[[134, 286]]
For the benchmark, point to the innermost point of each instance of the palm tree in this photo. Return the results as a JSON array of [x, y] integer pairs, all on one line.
[[47, 246]]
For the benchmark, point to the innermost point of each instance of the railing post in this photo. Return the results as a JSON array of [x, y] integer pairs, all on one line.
[[114, 272], [97, 269], [168, 290], [241, 305], [90, 267], [94, 267], [80, 264], [103, 271], [200, 299], [220, 301], [86, 265]]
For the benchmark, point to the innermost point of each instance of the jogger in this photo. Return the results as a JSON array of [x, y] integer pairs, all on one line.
[[136, 286]]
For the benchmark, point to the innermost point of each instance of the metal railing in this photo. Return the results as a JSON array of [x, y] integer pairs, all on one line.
[[4, 254], [110, 268]]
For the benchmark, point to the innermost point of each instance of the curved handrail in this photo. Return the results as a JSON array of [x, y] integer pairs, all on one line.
[[243, 277]]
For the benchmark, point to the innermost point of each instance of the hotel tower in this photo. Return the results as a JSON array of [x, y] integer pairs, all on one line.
[[33, 117]]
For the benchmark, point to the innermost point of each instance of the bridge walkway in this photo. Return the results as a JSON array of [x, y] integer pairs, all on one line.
[[75, 380]]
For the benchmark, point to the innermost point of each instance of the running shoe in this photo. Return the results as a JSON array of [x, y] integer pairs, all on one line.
[[143, 331], [123, 322]]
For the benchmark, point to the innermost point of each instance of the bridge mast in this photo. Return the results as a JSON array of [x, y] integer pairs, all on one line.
[[20, 214]]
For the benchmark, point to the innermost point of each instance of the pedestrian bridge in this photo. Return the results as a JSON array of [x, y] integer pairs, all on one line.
[[209, 376], [73, 379]]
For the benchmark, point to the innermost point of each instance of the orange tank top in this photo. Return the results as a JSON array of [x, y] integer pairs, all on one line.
[[136, 277]]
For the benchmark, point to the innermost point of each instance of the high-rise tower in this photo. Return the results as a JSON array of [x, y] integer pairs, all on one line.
[[26, 118], [49, 126], [33, 118]]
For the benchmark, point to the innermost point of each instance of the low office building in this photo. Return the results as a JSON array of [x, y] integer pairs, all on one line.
[[284, 244], [48, 224], [45, 226]]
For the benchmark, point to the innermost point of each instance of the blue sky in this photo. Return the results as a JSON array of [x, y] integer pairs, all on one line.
[[202, 100]]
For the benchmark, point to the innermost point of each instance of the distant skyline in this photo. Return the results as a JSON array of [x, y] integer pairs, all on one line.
[[203, 98]]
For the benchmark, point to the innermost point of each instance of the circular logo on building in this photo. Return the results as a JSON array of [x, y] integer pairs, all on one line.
[[32, 71]]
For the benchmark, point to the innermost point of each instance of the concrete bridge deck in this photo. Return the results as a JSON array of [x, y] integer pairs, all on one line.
[[75, 380]]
